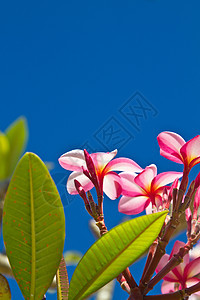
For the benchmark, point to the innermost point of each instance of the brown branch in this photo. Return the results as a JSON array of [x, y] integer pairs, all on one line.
[[170, 228], [179, 295], [151, 253], [160, 250], [193, 289]]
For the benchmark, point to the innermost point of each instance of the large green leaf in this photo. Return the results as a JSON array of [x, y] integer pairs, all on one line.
[[17, 134], [5, 293], [113, 252], [33, 226]]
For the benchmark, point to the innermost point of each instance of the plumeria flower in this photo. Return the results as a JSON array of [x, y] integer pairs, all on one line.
[[144, 191], [174, 147], [104, 165], [182, 276]]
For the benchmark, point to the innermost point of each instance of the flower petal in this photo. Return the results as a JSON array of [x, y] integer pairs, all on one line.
[[191, 151], [167, 287], [179, 270], [133, 205], [176, 247], [101, 159], [195, 252], [194, 162], [165, 178], [158, 201], [145, 178], [193, 268], [73, 160], [170, 144], [173, 186], [129, 187], [164, 260], [123, 164], [149, 209], [112, 185], [84, 181], [188, 214], [170, 276]]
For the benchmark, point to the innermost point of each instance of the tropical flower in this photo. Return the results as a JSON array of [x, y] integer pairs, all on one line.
[[182, 276], [104, 167], [144, 191], [174, 147]]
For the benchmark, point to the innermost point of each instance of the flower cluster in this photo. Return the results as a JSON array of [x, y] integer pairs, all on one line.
[[145, 189]]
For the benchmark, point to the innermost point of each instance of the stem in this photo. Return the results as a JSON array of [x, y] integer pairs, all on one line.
[[129, 278], [179, 295], [193, 289], [170, 228], [151, 253], [136, 294], [160, 250], [100, 203], [124, 285], [184, 181]]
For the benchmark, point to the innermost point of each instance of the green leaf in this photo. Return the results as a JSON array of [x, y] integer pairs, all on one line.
[[62, 281], [17, 134], [33, 226], [113, 253], [5, 293], [4, 150]]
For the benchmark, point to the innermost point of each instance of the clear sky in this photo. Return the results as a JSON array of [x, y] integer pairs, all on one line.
[[82, 73]]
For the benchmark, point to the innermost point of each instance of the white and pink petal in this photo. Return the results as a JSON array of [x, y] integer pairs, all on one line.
[[193, 268], [145, 178], [170, 144], [133, 205], [190, 151], [165, 178], [101, 159], [112, 185], [179, 270], [167, 287], [123, 164], [170, 276], [82, 179], [73, 160], [129, 187]]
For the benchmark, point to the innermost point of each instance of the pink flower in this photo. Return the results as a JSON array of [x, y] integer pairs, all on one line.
[[174, 147], [144, 191], [182, 276], [104, 167]]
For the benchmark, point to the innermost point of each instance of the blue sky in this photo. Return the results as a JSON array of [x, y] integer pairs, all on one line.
[[75, 69]]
